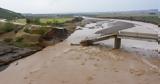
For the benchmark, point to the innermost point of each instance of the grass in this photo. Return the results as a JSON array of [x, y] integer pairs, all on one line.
[[53, 20], [40, 31], [45, 20], [22, 21], [7, 27]]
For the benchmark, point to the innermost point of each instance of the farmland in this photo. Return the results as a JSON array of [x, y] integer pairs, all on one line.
[[46, 20]]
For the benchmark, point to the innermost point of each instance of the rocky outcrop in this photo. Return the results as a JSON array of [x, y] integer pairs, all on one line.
[[9, 53]]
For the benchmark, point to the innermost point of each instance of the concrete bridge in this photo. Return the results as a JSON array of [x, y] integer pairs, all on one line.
[[123, 35], [137, 33]]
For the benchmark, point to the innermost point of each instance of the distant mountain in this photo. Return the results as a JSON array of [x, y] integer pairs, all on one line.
[[7, 14]]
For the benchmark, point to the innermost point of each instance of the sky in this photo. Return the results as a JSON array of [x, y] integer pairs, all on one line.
[[76, 6]]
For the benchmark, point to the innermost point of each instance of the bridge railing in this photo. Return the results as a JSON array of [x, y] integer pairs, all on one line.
[[139, 36]]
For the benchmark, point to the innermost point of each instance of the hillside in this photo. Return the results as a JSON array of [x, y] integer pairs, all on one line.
[[7, 14]]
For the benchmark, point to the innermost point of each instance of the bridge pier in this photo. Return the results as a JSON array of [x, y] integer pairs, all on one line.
[[158, 47], [117, 43]]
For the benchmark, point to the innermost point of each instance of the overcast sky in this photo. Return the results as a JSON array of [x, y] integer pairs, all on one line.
[[73, 6]]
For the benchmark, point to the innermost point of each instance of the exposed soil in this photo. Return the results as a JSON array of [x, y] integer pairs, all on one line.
[[10, 53]]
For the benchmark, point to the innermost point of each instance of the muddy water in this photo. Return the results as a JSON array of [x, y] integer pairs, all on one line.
[[142, 48]]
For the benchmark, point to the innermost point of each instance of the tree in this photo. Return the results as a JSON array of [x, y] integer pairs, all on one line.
[[33, 21]]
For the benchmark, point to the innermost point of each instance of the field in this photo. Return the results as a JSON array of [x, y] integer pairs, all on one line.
[[53, 20], [22, 21], [45, 20]]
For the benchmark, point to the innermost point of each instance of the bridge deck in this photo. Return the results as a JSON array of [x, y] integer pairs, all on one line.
[[132, 33], [139, 33]]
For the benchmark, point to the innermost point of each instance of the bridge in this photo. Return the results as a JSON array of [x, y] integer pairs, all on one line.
[[138, 33], [122, 35]]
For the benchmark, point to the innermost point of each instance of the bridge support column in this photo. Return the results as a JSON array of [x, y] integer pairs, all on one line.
[[117, 43], [158, 47]]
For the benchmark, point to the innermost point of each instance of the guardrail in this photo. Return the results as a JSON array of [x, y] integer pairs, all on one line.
[[139, 36], [123, 35]]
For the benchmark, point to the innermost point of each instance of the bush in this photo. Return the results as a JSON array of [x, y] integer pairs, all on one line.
[[49, 22], [26, 30], [33, 21], [8, 40], [28, 21], [19, 39], [8, 27], [77, 19], [41, 31]]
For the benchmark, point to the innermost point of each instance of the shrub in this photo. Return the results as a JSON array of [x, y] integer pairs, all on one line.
[[33, 21], [8, 40], [20, 44], [8, 27], [42, 31], [49, 22], [77, 19], [28, 21], [19, 39], [26, 30]]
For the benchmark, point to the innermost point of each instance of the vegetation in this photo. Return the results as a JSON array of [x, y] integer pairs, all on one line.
[[43, 21], [22, 45], [7, 27], [33, 21], [40, 30], [18, 42], [7, 14], [77, 19], [8, 40], [19, 39], [55, 20], [26, 30], [22, 21]]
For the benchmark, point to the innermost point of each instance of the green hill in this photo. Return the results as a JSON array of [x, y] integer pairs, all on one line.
[[7, 14]]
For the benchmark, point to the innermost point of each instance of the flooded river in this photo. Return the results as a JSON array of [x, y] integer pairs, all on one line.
[[139, 47]]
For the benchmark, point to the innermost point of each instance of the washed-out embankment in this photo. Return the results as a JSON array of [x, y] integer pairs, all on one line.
[[24, 40]]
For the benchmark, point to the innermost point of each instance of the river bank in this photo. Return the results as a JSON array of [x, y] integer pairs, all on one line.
[[23, 40]]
